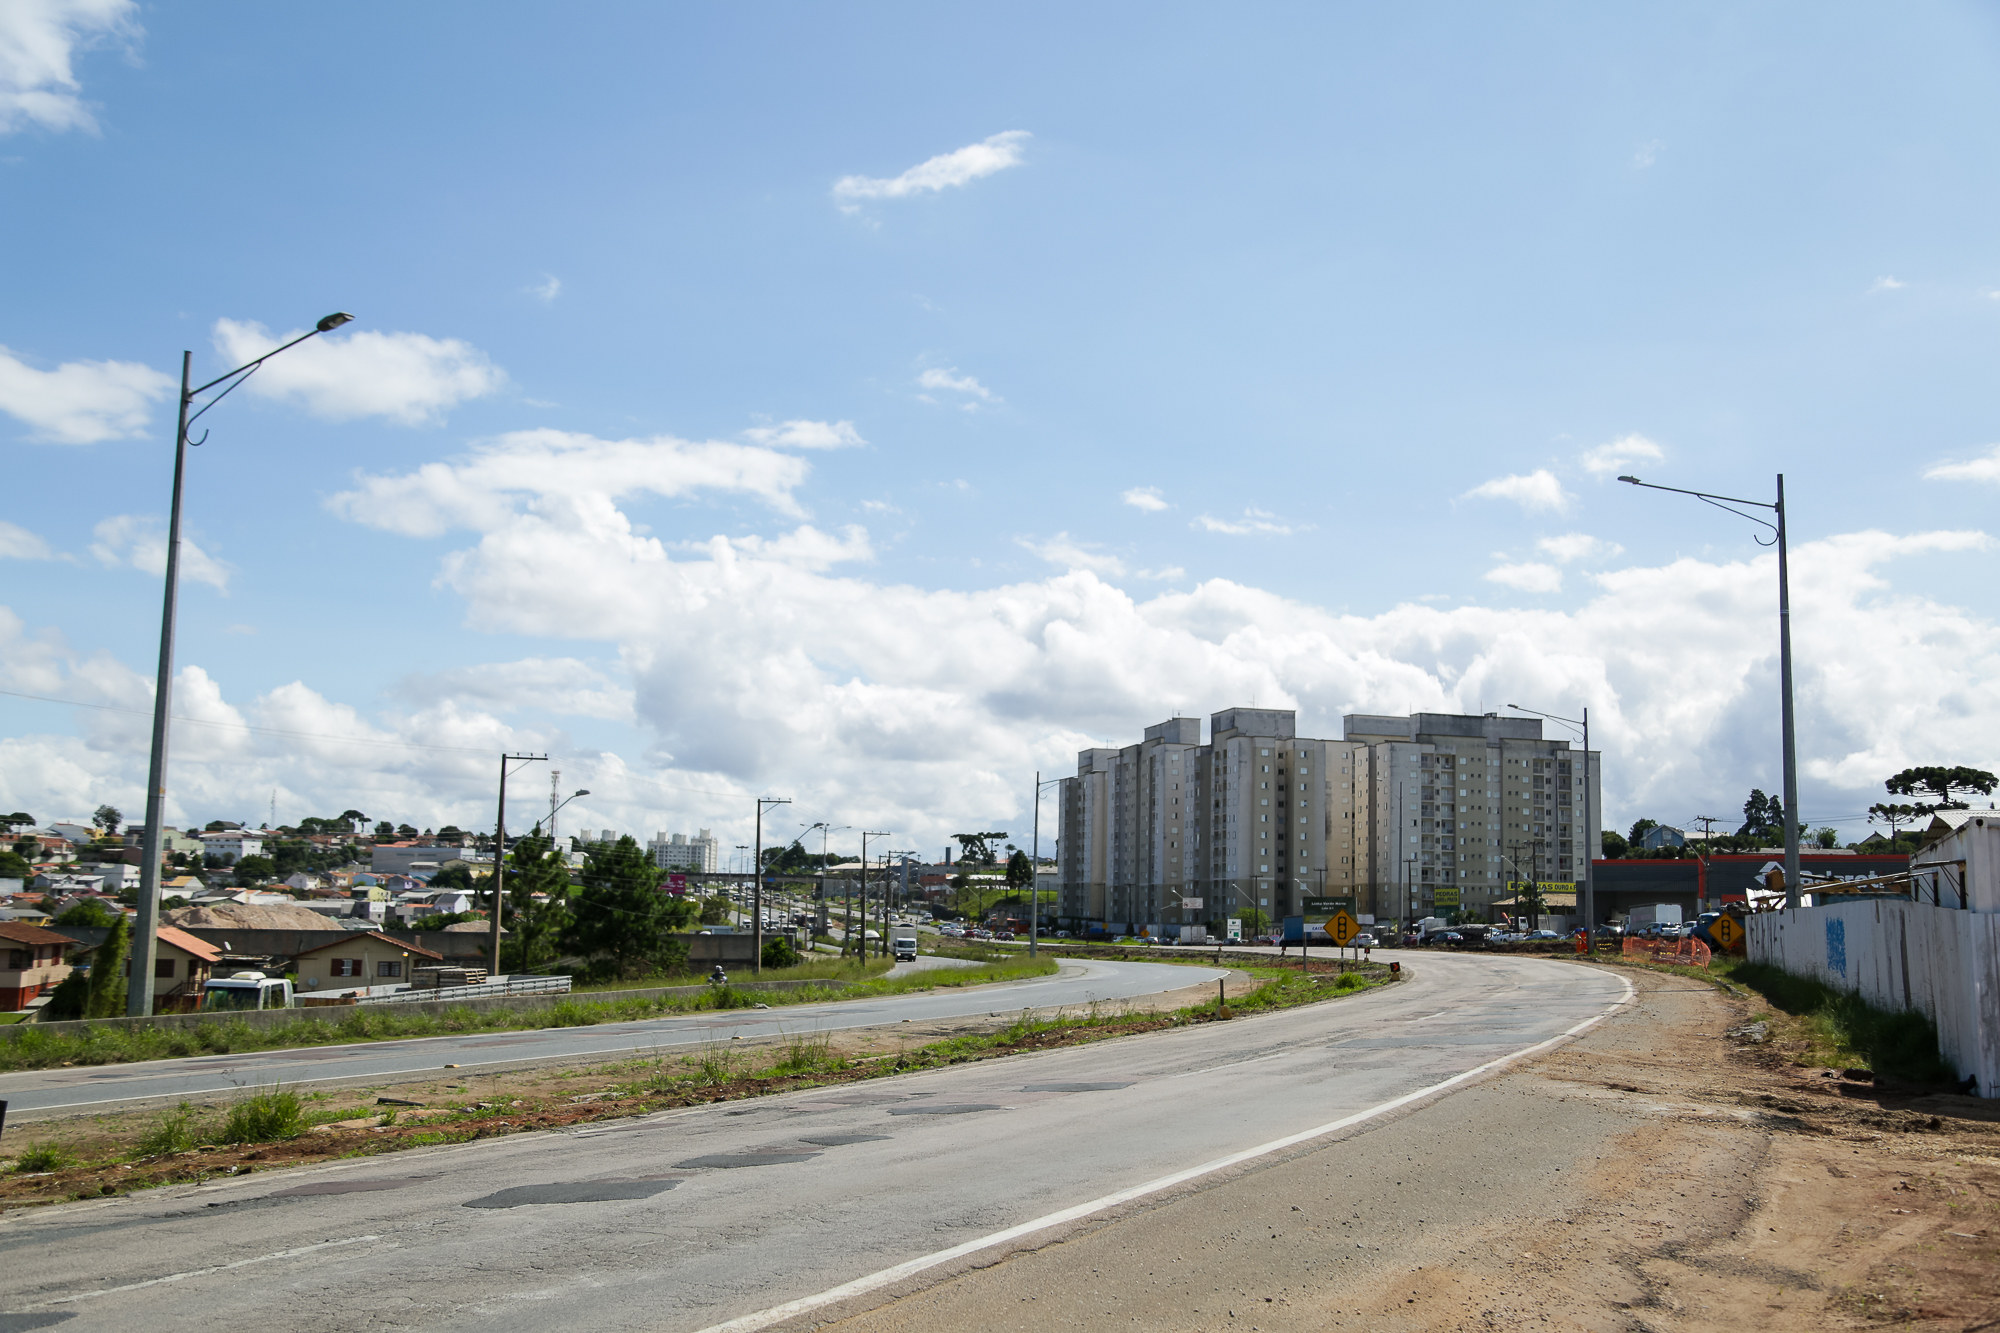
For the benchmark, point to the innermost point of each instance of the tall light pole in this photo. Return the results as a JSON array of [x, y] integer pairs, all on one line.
[[1035, 868], [500, 857], [1791, 761], [757, 883], [145, 949], [1589, 902], [824, 829]]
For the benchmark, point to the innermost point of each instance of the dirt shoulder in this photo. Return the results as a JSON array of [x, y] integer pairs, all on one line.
[[1656, 1174]]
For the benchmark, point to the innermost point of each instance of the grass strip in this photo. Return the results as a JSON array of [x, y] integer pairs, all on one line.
[[35, 1049], [185, 1145]]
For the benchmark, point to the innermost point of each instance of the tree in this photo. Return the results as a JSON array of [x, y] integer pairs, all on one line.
[[714, 910], [1640, 827], [778, 952], [385, 832], [1827, 837], [439, 920], [19, 819], [1255, 922], [1946, 784], [1020, 874], [453, 875], [534, 926], [619, 913], [1763, 818], [14, 866], [107, 972], [405, 831], [354, 820], [89, 914], [451, 831], [1893, 815], [256, 868], [107, 818], [1615, 847]]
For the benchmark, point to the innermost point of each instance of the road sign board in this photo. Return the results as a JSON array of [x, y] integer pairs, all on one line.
[[1727, 930], [1342, 928], [1327, 906]]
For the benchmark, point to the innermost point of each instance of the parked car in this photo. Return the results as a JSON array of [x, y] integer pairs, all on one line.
[[1444, 937], [1541, 935], [1362, 941]]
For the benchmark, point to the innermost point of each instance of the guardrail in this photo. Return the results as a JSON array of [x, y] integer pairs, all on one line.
[[488, 990]]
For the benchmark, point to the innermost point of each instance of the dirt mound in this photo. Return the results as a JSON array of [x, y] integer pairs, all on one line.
[[237, 916]]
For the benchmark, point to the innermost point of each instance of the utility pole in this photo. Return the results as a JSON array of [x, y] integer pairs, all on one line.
[[862, 951], [500, 855], [757, 884]]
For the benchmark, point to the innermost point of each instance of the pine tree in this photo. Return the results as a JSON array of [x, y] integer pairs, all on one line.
[[621, 915], [534, 928]]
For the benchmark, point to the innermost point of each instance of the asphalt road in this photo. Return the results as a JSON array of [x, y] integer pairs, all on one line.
[[50, 1091], [743, 1215]]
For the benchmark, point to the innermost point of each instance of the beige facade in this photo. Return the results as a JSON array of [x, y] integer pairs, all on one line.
[[1455, 807]]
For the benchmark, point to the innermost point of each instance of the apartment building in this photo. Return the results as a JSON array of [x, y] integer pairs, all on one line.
[[681, 852], [1173, 832], [1455, 808], [1408, 816]]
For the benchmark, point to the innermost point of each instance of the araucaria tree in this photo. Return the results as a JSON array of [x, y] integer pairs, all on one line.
[[621, 916], [1946, 784], [1763, 818]]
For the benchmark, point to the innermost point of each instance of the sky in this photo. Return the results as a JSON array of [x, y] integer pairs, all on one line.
[[874, 405]]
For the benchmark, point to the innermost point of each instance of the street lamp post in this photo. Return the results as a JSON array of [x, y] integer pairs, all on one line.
[[757, 884], [1791, 763], [145, 951], [1034, 868], [1589, 902]]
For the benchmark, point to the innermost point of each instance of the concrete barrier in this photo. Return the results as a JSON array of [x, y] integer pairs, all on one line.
[[334, 1015], [1901, 955]]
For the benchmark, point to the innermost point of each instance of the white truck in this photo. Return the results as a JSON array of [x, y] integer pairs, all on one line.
[[246, 990], [903, 944], [1653, 914]]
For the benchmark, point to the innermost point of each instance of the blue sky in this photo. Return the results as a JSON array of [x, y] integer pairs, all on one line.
[[1285, 353]]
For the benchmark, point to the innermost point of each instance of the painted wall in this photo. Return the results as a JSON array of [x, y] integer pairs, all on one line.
[[1902, 955]]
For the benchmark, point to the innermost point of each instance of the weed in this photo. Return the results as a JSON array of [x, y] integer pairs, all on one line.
[[807, 1055], [44, 1157], [171, 1133], [264, 1116], [716, 1066], [1844, 1029]]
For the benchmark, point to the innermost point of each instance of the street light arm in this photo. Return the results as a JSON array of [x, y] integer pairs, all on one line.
[[327, 325], [1566, 721], [1719, 502]]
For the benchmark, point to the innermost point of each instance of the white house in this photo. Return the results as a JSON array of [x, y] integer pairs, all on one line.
[[235, 843]]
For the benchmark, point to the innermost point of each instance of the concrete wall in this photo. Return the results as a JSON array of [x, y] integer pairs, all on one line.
[[1901, 955]]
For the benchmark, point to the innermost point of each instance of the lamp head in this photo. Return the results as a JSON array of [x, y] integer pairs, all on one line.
[[334, 321], [1634, 480], [585, 791]]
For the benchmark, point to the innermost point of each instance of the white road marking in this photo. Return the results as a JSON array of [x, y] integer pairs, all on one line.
[[887, 1276], [204, 1272]]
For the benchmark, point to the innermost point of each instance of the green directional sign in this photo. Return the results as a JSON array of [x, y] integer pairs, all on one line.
[[1326, 907]]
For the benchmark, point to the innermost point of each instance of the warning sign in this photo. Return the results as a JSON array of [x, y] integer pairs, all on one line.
[[1341, 928], [1727, 931]]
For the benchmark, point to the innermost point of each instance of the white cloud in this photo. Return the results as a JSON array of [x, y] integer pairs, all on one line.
[[805, 547], [951, 381], [1647, 154], [81, 402], [942, 172], [1528, 577], [38, 40], [1061, 550], [1887, 284], [548, 289], [565, 686], [1147, 498], [1607, 460], [563, 477], [17, 543], [135, 542], [407, 377], [1986, 469], [808, 435], [1254, 523], [1164, 575], [1578, 546], [1537, 490]]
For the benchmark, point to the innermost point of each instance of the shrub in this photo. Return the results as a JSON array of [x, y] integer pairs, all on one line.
[[265, 1116], [171, 1133], [779, 952], [807, 1055], [44, 1157]]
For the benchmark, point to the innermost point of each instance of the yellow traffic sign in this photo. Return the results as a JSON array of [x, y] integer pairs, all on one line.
[[1341, 928], [1728, 932]]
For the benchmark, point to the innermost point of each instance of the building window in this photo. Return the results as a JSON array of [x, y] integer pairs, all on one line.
[[346, 967], [389, 969], [163, 967]]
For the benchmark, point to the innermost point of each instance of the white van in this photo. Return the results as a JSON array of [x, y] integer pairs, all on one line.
[[904, 947], [246, 990]]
